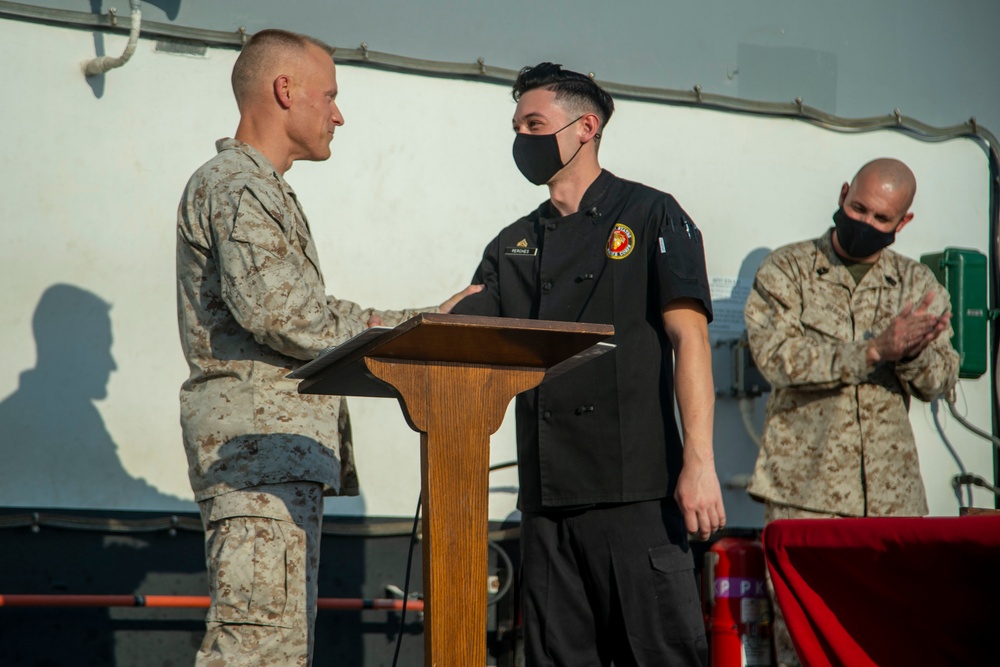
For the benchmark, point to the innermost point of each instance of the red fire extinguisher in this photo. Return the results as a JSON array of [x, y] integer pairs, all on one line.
[[736, 606]]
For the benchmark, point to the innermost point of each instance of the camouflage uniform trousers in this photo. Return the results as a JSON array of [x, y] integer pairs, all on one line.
[[262, 553], [784, 650]]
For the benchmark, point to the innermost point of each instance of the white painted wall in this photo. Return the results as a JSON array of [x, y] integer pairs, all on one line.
[[421, 178]]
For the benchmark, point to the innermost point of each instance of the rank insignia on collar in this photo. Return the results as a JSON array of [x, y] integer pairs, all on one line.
[[621, 242]]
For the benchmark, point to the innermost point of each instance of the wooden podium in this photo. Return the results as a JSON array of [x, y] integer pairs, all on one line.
[[454, 376]]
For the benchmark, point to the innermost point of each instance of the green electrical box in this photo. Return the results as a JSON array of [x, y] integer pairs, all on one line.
[[963, 273]]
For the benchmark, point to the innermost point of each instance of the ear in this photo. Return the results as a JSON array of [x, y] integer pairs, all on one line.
[[906, 219], [843, 193], [590, 126], [282, 90]]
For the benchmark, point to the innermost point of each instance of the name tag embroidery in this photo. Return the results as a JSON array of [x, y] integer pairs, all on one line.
[[516, 251]]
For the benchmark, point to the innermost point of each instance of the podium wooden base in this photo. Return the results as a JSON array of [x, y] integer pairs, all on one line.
[[455, 407]]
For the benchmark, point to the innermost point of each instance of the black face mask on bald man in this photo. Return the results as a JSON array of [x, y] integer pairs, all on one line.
[[859, 239], [537, 155]]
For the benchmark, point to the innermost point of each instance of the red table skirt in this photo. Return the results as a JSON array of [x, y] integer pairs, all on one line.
[[889, 591]]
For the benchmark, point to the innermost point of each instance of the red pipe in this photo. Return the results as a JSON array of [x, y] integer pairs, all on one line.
[[67, 601], [188, 601]]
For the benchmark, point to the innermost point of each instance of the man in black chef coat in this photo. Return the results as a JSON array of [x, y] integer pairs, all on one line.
[[608, 493]]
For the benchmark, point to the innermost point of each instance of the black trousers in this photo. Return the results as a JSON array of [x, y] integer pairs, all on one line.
[[610, 585]]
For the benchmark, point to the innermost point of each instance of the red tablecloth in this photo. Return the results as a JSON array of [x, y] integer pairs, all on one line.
[[889, 591]]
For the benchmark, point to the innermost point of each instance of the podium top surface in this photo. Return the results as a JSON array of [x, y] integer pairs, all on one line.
[[462, 339]]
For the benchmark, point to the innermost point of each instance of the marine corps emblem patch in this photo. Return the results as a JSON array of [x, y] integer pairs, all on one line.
[[621, 242]]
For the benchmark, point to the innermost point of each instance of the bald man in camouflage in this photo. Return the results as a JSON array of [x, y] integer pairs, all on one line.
[[252, 306], [846, 331]]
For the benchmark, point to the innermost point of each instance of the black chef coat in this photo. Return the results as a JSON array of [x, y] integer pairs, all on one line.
[[605, 431]]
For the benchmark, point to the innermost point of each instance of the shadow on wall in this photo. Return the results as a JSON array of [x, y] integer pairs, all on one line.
[[55, 448], [56, 452], [728, 309]]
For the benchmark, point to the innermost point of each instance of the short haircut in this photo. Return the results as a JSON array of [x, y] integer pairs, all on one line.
[[575, 90], [260, 51]]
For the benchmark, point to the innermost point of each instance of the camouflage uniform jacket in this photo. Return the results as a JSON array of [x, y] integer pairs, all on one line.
[[837, 436], [252, 306]]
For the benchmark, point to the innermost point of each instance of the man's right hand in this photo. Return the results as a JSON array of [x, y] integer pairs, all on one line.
[[450, 303]]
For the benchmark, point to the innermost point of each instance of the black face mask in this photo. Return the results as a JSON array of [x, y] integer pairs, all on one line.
[[858, 239], [537, 155]]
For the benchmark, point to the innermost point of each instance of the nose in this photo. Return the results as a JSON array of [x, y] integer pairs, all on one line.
[[866, 217], [335, 116]]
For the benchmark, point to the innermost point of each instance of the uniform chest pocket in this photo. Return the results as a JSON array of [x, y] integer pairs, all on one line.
[[827, 321], [885, 311]]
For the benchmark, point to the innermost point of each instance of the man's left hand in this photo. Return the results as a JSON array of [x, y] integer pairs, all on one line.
[[699, 497]]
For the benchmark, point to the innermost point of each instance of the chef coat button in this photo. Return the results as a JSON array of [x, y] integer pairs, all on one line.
[[547, 286]]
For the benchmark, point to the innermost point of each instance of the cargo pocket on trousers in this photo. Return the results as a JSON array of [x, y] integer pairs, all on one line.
[[248, 557], [676, 593]]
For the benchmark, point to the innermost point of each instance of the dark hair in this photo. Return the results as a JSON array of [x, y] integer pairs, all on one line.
[[578, 89], [260, 50]]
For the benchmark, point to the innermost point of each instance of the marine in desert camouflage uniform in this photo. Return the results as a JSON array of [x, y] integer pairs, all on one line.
[[252, 306], [844, 356]]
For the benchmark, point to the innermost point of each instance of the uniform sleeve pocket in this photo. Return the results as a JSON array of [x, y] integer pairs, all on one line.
[[681, 250], [680, 262], [259, 225]]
